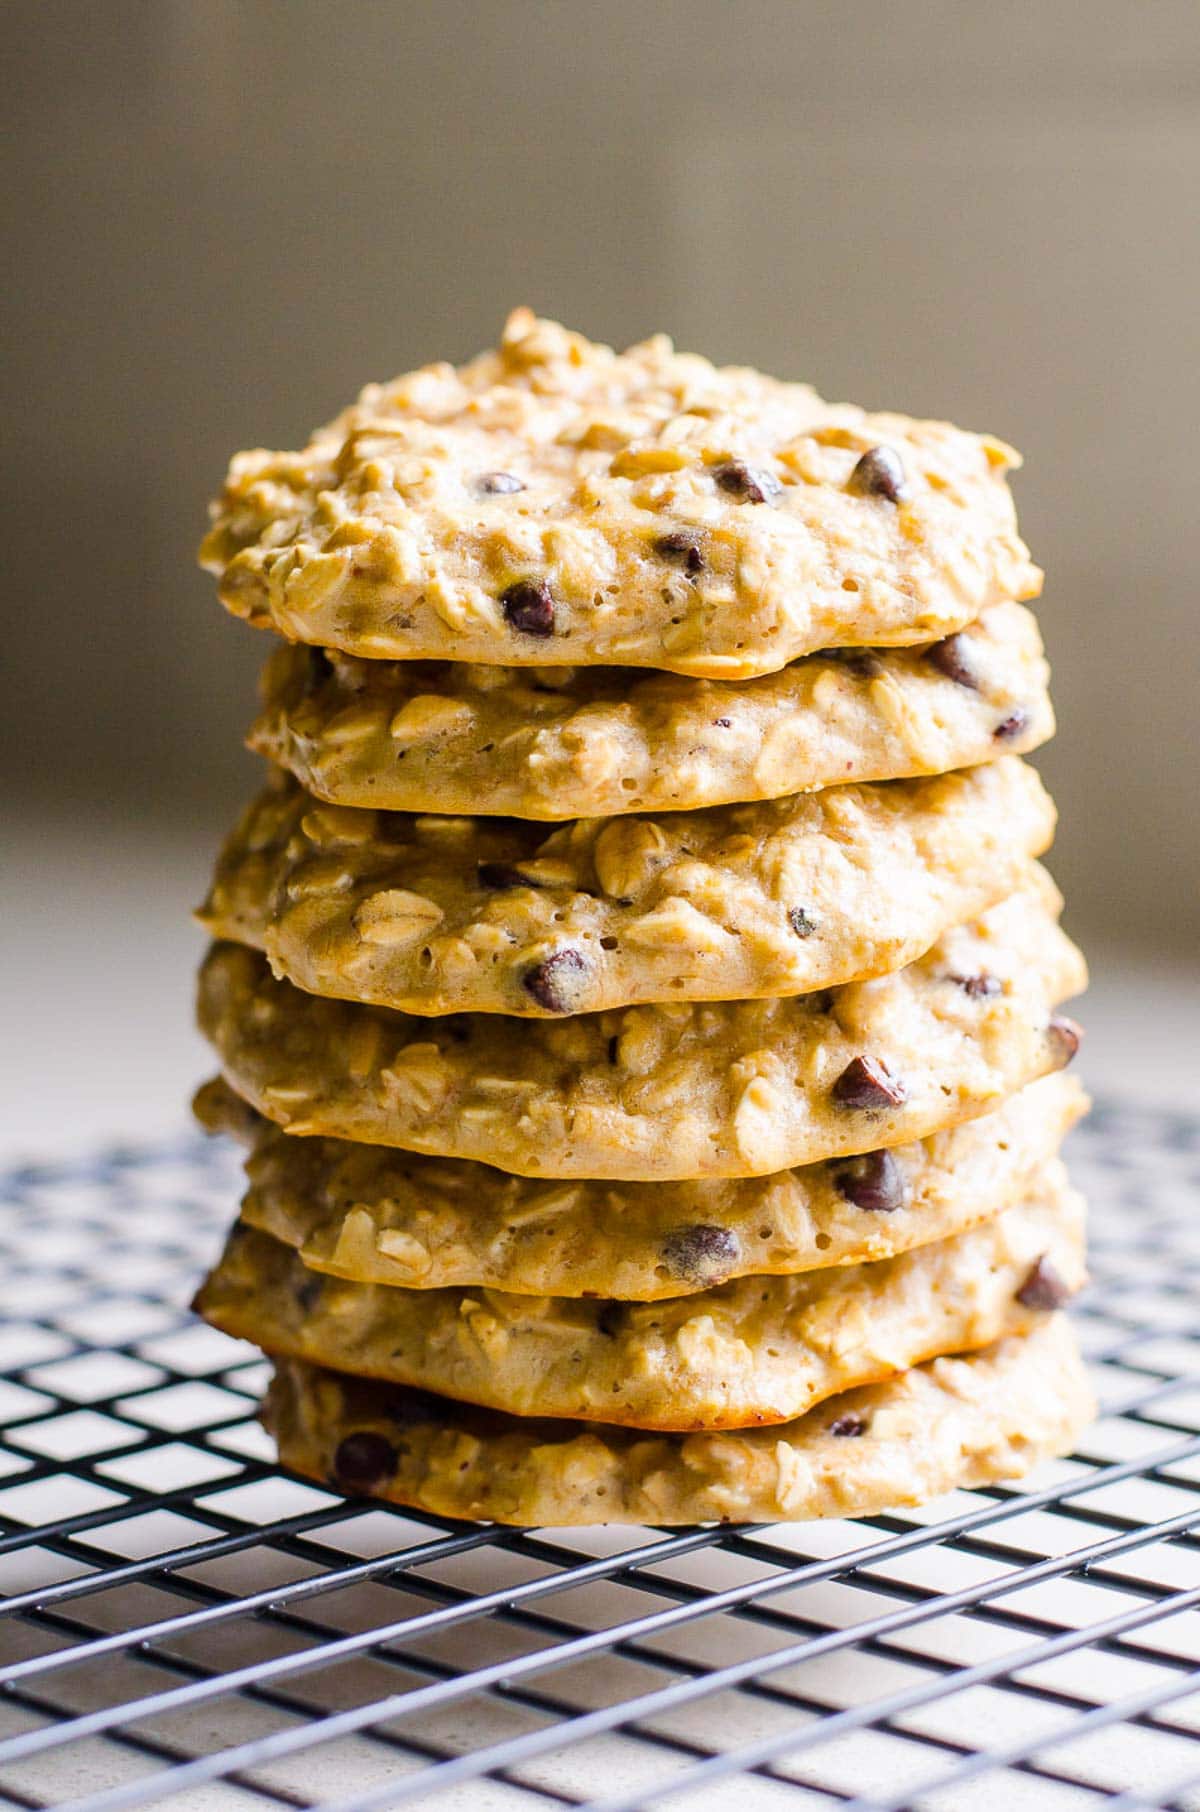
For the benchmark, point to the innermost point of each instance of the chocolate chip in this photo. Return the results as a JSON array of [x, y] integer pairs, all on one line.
[[952, 656], [1066, 1035], [848, 1425], [867, 1082], [1011, 726], [859, 661], [879, 473], [978, 987], [873, 1181], [723, 723], [801, 922], [318, 670], [749, 484], [497, 484], [362, 1460], [611, 1319], [308, 1292], [701, 1254], [1044, 1288], [559, 984], [504, 874], [682, 546], [528, 607]]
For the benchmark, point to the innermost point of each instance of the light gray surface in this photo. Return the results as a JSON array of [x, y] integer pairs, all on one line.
[[98, 956], [231, 213]]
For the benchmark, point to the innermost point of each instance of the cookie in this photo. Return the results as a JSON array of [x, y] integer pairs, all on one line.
[[440, 915], [555, 503], [716, 1089], [589, 742], [753, 1350], [372, 1215], [953, 1423]]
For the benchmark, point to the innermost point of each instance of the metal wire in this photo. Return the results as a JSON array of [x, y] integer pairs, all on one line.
[[182, 1619]]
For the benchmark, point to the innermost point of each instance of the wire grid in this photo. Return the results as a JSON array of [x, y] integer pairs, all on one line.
[[185, 1623]]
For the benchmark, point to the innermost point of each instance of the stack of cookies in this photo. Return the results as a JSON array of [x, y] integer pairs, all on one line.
[[636, 982]]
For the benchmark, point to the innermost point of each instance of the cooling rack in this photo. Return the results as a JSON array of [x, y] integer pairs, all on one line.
[[186, 1625]]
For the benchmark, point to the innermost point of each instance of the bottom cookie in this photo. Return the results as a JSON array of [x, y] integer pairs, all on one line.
[[952, 1422]]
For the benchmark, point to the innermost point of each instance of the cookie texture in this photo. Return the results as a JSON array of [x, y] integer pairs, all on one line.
[[572, 742], [553, 502], [951, 1423], [439, 915], [372, 1215], [748, 1351], [736, 1088]]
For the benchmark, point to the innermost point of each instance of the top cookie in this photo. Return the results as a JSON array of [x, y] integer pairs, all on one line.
[[554, 502]]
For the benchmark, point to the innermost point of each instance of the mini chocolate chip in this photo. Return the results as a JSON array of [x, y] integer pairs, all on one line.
[[680, 545], [1011, 726], [848, 1425], [309, 1291], [879, 473], [528, 607], [723, 723], [701, 1254], [873, 1181], [978, 987], [497, 484], [867, 1082], [801, 922], [559, 983], [750, 484], [611, 1319], [504, 874], [318, 670], [363, 1459], [952, 656], [1066, 1035], [610, 943], [1044, 1288], [860, 661]]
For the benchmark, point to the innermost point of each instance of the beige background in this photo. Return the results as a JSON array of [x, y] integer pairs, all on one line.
[[227, 214]]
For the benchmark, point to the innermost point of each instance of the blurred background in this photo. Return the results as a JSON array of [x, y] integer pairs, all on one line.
[[226, 215]]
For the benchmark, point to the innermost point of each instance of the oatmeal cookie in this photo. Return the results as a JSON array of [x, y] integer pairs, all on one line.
[[589, 742], [553, 502], [736, 1088], [950, 1423], [373, 1215], [754, 1350], [438, 915]]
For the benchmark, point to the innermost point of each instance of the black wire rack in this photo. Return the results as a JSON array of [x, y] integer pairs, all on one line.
[[186, 1624]]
